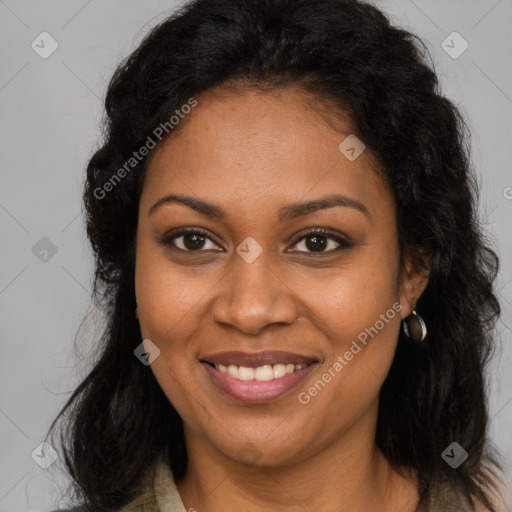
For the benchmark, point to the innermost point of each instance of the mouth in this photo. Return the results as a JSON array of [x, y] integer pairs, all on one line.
[[262, 373], [257, 378]]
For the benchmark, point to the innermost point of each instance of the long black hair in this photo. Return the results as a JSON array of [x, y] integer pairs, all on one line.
[[348, 54]]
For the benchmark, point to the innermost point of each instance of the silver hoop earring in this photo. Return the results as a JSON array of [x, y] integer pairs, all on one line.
[[414, 327]]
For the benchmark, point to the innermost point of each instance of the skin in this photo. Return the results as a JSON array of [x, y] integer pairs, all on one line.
[[251, 153]]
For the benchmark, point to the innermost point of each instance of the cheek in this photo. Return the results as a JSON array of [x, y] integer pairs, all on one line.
[[169, 303], [351, 297], [170, 298], [357, 308]]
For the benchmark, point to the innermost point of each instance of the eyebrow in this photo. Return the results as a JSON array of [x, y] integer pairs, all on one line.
[[286, 212]]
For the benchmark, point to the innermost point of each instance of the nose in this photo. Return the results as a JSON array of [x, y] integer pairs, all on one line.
[[253, 296]]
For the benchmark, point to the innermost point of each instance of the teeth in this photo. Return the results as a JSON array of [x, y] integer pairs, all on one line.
[[262, 373]]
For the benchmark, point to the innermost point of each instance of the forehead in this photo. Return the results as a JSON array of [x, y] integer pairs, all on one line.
[[239, 144]]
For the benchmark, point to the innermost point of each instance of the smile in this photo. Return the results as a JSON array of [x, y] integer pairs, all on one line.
[[261, 373], [257, 385]]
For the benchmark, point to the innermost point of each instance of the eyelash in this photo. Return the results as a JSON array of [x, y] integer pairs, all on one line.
[[343, 243]]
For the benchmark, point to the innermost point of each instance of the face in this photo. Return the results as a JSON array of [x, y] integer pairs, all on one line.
[[257, 272]]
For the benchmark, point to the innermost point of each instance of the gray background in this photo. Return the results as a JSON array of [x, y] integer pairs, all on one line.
[[50, 114]]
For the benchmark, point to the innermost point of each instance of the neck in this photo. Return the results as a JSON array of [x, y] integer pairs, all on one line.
[[349, 474]]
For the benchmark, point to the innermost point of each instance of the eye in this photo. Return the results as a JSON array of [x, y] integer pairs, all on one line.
[[317, 241], [190, 240]]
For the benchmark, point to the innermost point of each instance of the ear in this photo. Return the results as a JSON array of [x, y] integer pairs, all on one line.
[[413, 281]]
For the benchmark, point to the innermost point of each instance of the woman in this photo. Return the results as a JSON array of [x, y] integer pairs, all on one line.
[[299, 296]]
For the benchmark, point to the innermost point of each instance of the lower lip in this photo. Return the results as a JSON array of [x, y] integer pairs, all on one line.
[[255, 391]]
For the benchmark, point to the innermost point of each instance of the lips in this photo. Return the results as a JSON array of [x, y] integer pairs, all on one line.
[[257, 392], [254, 360]]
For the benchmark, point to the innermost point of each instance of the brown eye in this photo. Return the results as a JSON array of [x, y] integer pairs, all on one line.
[[194, 241], [316, 243], [190, 240], [320, 241]]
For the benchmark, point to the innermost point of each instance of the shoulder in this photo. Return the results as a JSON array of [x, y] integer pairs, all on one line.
[[73, 509], [448, 498], [479, 507], [158, 491], [137, 505]]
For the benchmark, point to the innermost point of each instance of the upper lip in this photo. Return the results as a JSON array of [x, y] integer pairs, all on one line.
[[248, 359]]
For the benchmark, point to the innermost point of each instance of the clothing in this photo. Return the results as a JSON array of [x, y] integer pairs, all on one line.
[[164, 497], [166, 493], [167, 498]]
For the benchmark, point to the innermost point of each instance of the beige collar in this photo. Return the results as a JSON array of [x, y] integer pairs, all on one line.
[[166, 493]]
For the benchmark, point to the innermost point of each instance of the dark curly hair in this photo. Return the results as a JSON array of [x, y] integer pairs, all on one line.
[[347, 54]]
